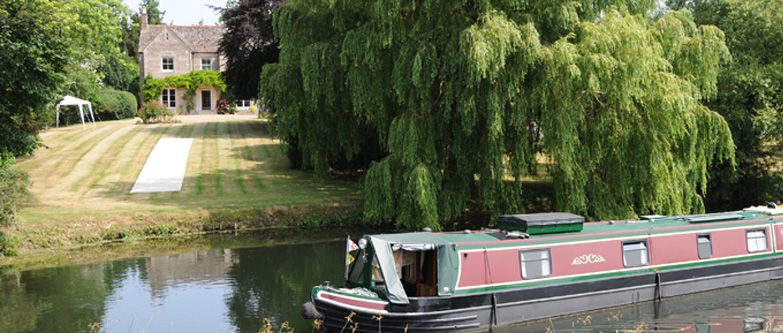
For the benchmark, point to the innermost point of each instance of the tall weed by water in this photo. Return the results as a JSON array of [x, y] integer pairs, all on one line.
[[266, 327]]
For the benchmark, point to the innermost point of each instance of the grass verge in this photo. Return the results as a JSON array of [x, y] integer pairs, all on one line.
[[237, 180]]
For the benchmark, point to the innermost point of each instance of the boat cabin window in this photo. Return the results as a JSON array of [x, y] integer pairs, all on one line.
[[704, 244], [635, 253], [757, 240], [418, 272], [535, 263]]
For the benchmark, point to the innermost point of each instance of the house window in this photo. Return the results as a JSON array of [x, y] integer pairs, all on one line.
[[243, 103], [168, 98], [635, 254], [704, 243], [167, 64], [757, 240], [206, 64], [535, 263]]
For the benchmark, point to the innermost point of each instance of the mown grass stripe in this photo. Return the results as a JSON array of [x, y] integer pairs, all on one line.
[[118, 167], [220, 131], [205, 179], [47, 161], [237, 143], [249, 154], [192, 185], [97, 167], [68, 162]]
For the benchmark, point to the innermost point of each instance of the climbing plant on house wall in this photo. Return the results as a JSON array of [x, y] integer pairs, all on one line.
[[152, 88], [463, 95]]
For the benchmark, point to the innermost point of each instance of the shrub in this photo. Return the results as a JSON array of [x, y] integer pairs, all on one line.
[[154, 112], [13, 193], [8, 245], [226, 107], [116, 104]]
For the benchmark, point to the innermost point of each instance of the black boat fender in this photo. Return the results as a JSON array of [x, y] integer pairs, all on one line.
[[310, 312]]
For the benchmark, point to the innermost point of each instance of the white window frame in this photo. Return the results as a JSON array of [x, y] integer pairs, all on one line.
[[242, 104], [633, 247], [164, 64], [544, 259], [168, 97], [756, 240], [208, 63]]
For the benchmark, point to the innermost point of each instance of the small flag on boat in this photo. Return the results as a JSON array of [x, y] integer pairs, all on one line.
[[351, 249], [350, 246]]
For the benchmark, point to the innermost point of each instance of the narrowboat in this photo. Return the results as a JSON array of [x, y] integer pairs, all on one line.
[[537, 266]]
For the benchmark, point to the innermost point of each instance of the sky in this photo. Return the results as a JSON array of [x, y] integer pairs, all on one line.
[[185, 12]]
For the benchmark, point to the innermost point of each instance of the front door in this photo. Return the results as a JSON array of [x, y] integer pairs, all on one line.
[[206, 100]]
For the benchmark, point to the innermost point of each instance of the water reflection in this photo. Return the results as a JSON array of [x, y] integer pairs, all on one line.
[[233, 290], [218, 290], [751, 308]]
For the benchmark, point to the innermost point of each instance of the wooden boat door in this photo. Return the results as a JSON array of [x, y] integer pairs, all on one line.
[[418, 271]]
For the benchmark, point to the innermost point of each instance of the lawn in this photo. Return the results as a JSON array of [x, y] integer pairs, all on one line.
[[81, 179]]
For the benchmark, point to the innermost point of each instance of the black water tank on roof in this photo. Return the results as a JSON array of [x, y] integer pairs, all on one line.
[[541, 223]]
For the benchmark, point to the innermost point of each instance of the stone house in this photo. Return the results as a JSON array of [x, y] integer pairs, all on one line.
[[166, 50]]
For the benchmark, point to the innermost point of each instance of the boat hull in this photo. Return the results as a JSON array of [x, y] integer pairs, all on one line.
[[484, 311]]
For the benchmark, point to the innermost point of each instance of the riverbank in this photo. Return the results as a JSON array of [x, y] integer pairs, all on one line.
[[237, 180], [165, 246]]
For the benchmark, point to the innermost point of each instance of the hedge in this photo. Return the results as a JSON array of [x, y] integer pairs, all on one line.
[[116, 104]]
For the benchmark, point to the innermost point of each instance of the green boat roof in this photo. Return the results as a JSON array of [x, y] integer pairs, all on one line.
[[648, 224], [449, 244]]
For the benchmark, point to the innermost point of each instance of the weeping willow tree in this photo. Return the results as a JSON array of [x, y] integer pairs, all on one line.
[[461, 96]]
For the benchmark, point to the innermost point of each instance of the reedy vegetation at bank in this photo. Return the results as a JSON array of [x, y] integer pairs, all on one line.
[[453, 101]]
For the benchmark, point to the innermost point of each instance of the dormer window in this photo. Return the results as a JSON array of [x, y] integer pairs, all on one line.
[[206, 64], [167, 64]]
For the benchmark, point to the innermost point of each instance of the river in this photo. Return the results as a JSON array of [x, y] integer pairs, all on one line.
[[234, 289]]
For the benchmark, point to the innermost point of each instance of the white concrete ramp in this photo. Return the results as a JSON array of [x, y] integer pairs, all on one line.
[[164, 170]]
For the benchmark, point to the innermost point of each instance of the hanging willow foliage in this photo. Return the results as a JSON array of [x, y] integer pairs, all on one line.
[[462, 95]]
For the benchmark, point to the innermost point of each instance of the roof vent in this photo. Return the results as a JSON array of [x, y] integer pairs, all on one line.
[[541, 223]]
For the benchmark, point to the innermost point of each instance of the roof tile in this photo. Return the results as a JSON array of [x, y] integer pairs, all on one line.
[[199, 38]]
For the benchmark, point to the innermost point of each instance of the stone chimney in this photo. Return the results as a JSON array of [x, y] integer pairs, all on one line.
[[144, 19]]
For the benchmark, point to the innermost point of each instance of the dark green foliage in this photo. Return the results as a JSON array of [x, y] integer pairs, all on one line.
[[34, 54], [115, 104], [32, 61], [154, 14], [154, 112], [460, 98], [248, 44], [121, 72], [8, 245], [750, 97], [13, 193]]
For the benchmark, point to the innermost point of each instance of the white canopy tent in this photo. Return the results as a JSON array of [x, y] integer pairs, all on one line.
[[70, 100]]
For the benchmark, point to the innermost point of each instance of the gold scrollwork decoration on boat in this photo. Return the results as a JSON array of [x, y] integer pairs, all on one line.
[[588, 259]]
